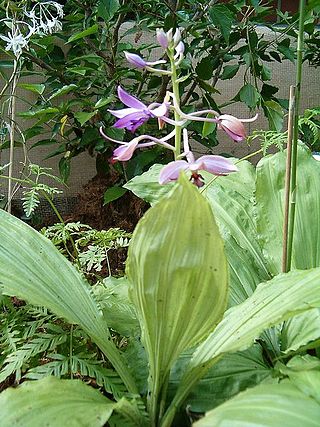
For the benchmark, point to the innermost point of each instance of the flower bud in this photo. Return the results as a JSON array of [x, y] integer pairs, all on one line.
[[162, 38], [176, 37], [135, 60]]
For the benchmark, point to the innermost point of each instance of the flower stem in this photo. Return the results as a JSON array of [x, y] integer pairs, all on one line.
[[175, 90], [293, 184]]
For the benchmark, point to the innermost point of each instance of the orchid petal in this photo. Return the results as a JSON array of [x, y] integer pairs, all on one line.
[[180, 48], [232, 126], [135, 60], [125, 152], [129, 100], [160, 111], [249, 120], [131, 119], [172, 170], [217, 165], [234, 136], [123, 112]]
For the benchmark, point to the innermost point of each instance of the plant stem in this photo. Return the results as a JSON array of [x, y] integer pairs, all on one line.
[[175, 90], [293, 186], [12, 133], [287, 182]]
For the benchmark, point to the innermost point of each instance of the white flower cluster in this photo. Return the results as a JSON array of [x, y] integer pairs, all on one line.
[[44, 18]]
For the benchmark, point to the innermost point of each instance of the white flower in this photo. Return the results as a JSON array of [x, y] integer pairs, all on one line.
[[15, 42]]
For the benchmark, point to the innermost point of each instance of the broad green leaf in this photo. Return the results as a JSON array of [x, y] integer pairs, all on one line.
[[271, 303], [249, 95], [232, 200], [40, 112], [271, 405], [178, 274], [208, 127], [274, 114], [229, 71], [147, 187], [300, 330], [112, 194], [52, 402], [117, 309], [308, 382], [205, 67], [269, 197], [84, 116], [104, 101], [91, 30], [63, 91], [222, 17], [234, 373], [107, 8], [32, 269], [36, 88]]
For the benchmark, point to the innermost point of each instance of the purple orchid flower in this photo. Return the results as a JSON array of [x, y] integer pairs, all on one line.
[[137, 112], [217, 165]]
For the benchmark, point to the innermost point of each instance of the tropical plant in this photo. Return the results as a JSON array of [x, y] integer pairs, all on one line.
[[191, 292]]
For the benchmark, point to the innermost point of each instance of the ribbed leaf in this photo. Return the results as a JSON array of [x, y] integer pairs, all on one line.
[[31, 268], [300, 330], [178, 271], [271, 303], [271, 405], [232, 200], [235, 372], [54, 403], [269, 196]]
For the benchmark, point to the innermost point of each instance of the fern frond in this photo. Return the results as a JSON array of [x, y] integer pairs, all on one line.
[[268, 139], [16, 360], [30, 201]]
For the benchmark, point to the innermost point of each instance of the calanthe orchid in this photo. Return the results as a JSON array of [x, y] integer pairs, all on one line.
[[137, 112], [126, 149], [217, 165]]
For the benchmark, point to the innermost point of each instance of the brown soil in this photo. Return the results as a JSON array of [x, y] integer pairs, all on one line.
[[123, 213]]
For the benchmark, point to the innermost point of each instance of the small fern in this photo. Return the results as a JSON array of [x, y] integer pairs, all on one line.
[[269, 139], [40, 344]]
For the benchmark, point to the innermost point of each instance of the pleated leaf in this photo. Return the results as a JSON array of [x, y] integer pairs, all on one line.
[[235, 372], [271, 405], [300, 330], [232, 201], [271, 303], [32, 269], [178, 274], [269, 197], [52, 402]]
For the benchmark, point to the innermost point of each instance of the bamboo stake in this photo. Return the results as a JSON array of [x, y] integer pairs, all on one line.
[[287, 181]]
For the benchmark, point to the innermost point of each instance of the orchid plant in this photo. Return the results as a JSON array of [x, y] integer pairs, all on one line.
[[137, 113]]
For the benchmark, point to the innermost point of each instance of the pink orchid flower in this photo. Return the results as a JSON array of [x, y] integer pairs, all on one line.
[[137, 112], [233, 126], [126, 149], [217, 165]]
